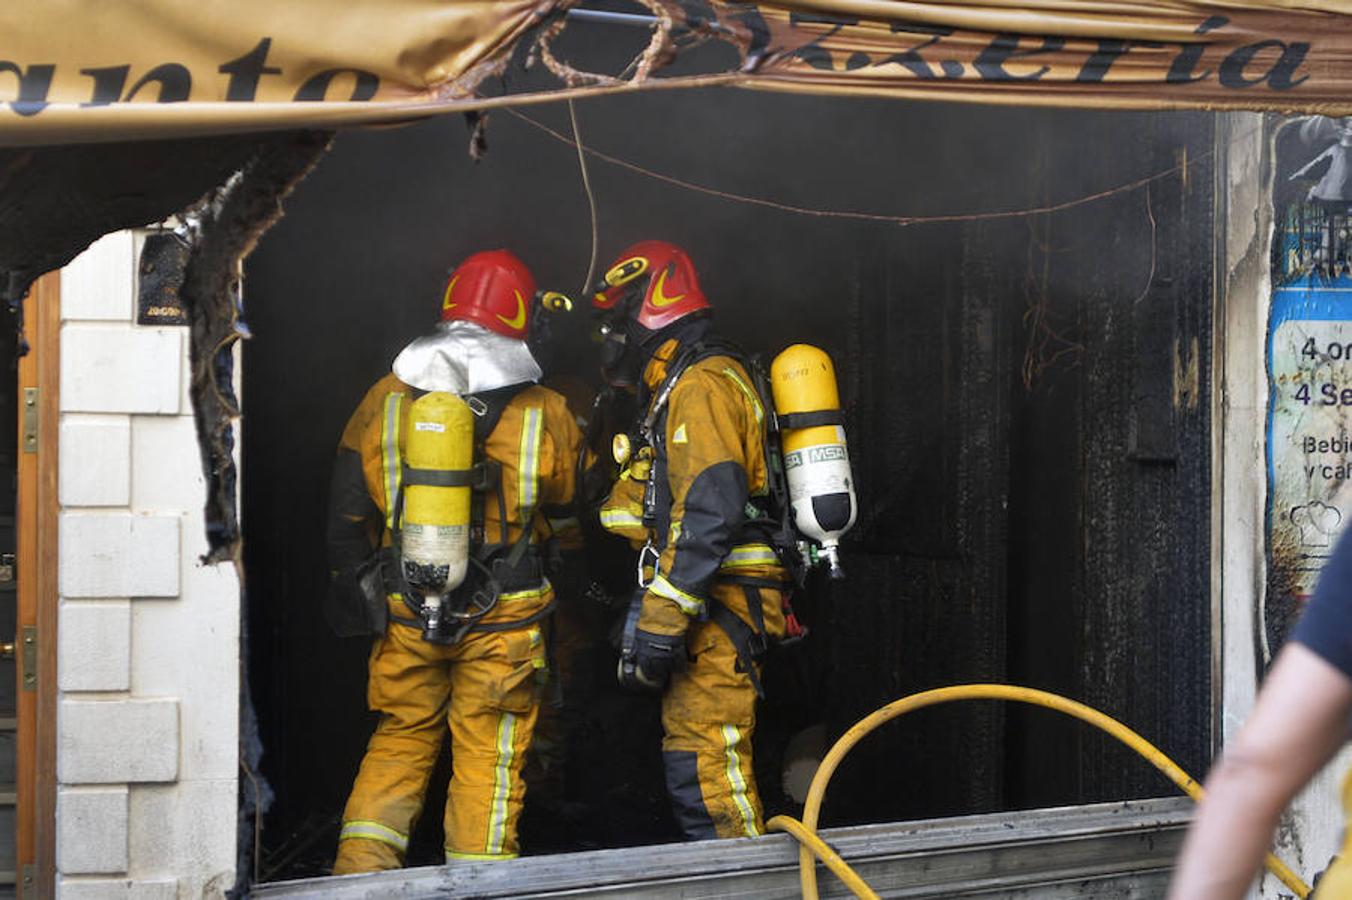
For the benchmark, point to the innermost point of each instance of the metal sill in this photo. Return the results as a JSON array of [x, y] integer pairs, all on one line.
[[1120, 850]]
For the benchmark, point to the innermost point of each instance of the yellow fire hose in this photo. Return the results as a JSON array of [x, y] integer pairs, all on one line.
[[812, 845]]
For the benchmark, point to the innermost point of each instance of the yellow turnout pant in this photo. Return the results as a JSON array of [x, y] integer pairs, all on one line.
[[485, 689], [709, 716]]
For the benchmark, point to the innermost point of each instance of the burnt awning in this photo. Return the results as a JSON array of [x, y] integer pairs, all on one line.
[[83, 70]]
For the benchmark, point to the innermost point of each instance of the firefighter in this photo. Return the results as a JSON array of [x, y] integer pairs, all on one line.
[[694, 490], [482, 677]]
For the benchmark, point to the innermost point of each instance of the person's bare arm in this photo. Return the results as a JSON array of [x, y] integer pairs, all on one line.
[[1297, 724]]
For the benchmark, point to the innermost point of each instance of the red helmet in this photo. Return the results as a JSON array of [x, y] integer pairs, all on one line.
[[492, 288], [670, 289]]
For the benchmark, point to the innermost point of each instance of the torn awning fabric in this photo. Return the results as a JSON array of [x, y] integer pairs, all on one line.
[[82, 70]]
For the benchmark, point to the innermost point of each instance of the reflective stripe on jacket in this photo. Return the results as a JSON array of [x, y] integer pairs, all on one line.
[[710, 462], [535, 442]]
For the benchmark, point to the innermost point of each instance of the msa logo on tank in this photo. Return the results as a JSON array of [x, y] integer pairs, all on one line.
[[818, 454]]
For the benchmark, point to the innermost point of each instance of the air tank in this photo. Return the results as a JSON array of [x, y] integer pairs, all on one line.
[[816, 459], [435, 527]]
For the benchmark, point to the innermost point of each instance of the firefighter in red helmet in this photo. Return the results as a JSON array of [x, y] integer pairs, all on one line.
[[693, 492], [481, 679]]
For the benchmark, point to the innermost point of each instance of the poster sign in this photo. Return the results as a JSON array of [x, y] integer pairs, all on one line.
[[1309, 442]]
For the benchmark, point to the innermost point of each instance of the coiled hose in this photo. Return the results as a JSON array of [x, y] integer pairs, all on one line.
[[812, 845]]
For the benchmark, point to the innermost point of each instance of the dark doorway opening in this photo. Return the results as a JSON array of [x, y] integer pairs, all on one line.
[[1027, 407]]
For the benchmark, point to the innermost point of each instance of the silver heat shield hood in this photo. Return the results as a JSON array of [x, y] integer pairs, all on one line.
[[464, 358]]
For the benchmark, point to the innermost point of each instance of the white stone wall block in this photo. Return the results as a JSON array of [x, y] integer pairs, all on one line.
[[95, 461], [190, 649], [166, 466], [116, 889], [94, 646], [119, 555], [91, 830], [117, 741], [121, 369], [187, 830], [99, 283]]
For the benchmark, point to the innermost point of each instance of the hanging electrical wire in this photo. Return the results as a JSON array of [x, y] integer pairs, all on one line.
[[585, 290], [902, 220]]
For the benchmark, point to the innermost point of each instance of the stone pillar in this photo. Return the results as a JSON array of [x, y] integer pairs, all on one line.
[[148, 657]]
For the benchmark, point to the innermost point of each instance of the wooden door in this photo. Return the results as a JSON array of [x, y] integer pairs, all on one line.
[[34, 573]]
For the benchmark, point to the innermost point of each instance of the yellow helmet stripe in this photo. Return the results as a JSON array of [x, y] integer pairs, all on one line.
[[660, 298], [517, 322], [446, 298]]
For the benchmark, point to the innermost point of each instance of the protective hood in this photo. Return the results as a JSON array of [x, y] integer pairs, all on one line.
[[465, 358]]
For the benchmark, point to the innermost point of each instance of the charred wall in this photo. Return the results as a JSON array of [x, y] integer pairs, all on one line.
[[1034, 482], [1110, 464]]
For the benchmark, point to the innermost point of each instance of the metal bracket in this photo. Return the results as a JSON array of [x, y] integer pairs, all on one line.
[[28, 656], [30, 420]]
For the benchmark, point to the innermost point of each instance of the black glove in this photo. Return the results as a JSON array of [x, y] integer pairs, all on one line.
[[653, 658]]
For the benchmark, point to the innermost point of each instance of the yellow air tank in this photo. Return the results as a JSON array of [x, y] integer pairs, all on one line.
[[816, 460], [435, 527]]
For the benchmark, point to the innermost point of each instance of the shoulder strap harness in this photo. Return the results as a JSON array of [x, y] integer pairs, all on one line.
[[476, 596], [750, 641]]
